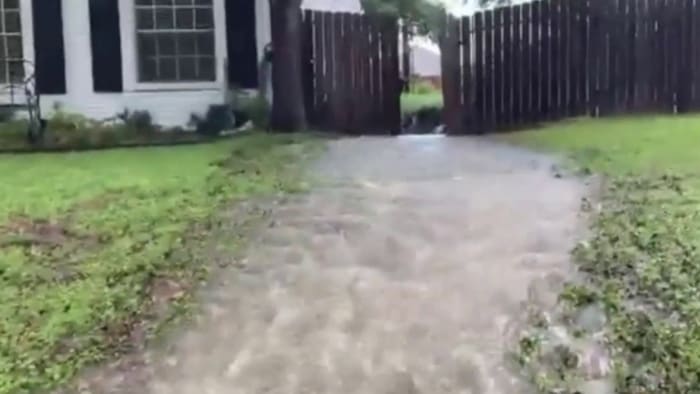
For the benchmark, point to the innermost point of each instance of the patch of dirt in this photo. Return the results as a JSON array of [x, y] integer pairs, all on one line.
[[26, 232], [23, 231]]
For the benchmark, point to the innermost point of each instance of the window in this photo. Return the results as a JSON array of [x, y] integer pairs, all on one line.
[[11, 63], [175, 40]]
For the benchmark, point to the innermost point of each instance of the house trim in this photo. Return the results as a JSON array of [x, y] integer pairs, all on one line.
[[27, 20]]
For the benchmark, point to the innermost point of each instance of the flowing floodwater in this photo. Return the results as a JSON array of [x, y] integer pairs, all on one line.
[[402, 272]]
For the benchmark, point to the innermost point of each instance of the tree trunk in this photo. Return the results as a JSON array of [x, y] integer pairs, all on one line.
[[288, 112]]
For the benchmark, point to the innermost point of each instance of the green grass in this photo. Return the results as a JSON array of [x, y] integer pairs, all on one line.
[[636, 145], [643, 260], [84, 235], [412, 102]]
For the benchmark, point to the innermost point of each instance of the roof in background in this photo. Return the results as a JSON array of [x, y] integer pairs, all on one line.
[[333, 5], [470, 7]]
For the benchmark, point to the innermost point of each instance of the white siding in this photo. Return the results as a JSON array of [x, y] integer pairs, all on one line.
[[170, 105], [333, 5]]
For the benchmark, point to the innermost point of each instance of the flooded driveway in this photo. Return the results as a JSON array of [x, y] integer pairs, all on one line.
[[401, 273]]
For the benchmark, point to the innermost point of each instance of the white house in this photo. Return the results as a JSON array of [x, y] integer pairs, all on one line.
[[99, 57]]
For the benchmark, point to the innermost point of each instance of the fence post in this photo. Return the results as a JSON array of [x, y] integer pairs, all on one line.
[[468, 105], [450, 48], [307, 68], [479, 71]]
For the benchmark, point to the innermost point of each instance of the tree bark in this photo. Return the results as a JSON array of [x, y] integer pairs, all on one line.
[[288, 112]]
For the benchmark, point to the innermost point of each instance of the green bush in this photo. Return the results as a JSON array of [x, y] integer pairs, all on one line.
[[67, 130], [423, 87], [249, 107], [257, 110], [137, 121], [62, 121], [217, 119]]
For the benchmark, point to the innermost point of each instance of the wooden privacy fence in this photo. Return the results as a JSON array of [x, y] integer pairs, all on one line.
[[515, 66], [351, 72]]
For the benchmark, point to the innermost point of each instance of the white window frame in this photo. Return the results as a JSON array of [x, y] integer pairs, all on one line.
[[127, 10], [25, 10]]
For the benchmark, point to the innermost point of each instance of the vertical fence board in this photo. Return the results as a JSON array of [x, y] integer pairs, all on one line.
[[345, 62], [391, 76], [526, 75], [578, 66], [451, 75], [350, 75], [335, 37], [574, 42], [318, 65], [357, 88], [567, 26], [489, 121], [608, 29], [594, 52], [695, 68], [517, 68], [626, 72], [538, 66], [685, 55], [655, 63], [641, 41], [498, 66], [308, 69], [375, 76], [479, 101], [546, 71], [557, 58], [668, 36], [468, 105], [507, 62], [632, 69]]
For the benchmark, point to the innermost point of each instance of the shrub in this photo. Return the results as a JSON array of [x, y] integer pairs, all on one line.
[[423, 87], [62, 121], [74, 131], [248, 107], [217, 119], [256, 109], [6, 115], [137, 121]]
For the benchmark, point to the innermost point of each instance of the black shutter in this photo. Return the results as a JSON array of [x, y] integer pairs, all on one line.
[[106, 44], [49, 62], [242, 50]]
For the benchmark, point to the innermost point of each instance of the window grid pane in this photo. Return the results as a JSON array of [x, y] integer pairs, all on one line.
[[175, 40], [11, 51]]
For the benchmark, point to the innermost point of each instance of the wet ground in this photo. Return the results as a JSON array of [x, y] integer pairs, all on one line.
[[403, 272]]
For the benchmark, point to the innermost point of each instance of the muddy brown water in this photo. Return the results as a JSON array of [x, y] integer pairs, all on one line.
[[400, 273]]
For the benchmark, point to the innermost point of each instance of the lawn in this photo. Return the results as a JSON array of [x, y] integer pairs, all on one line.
[[643, 260], [87, 238], [414, 101]]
